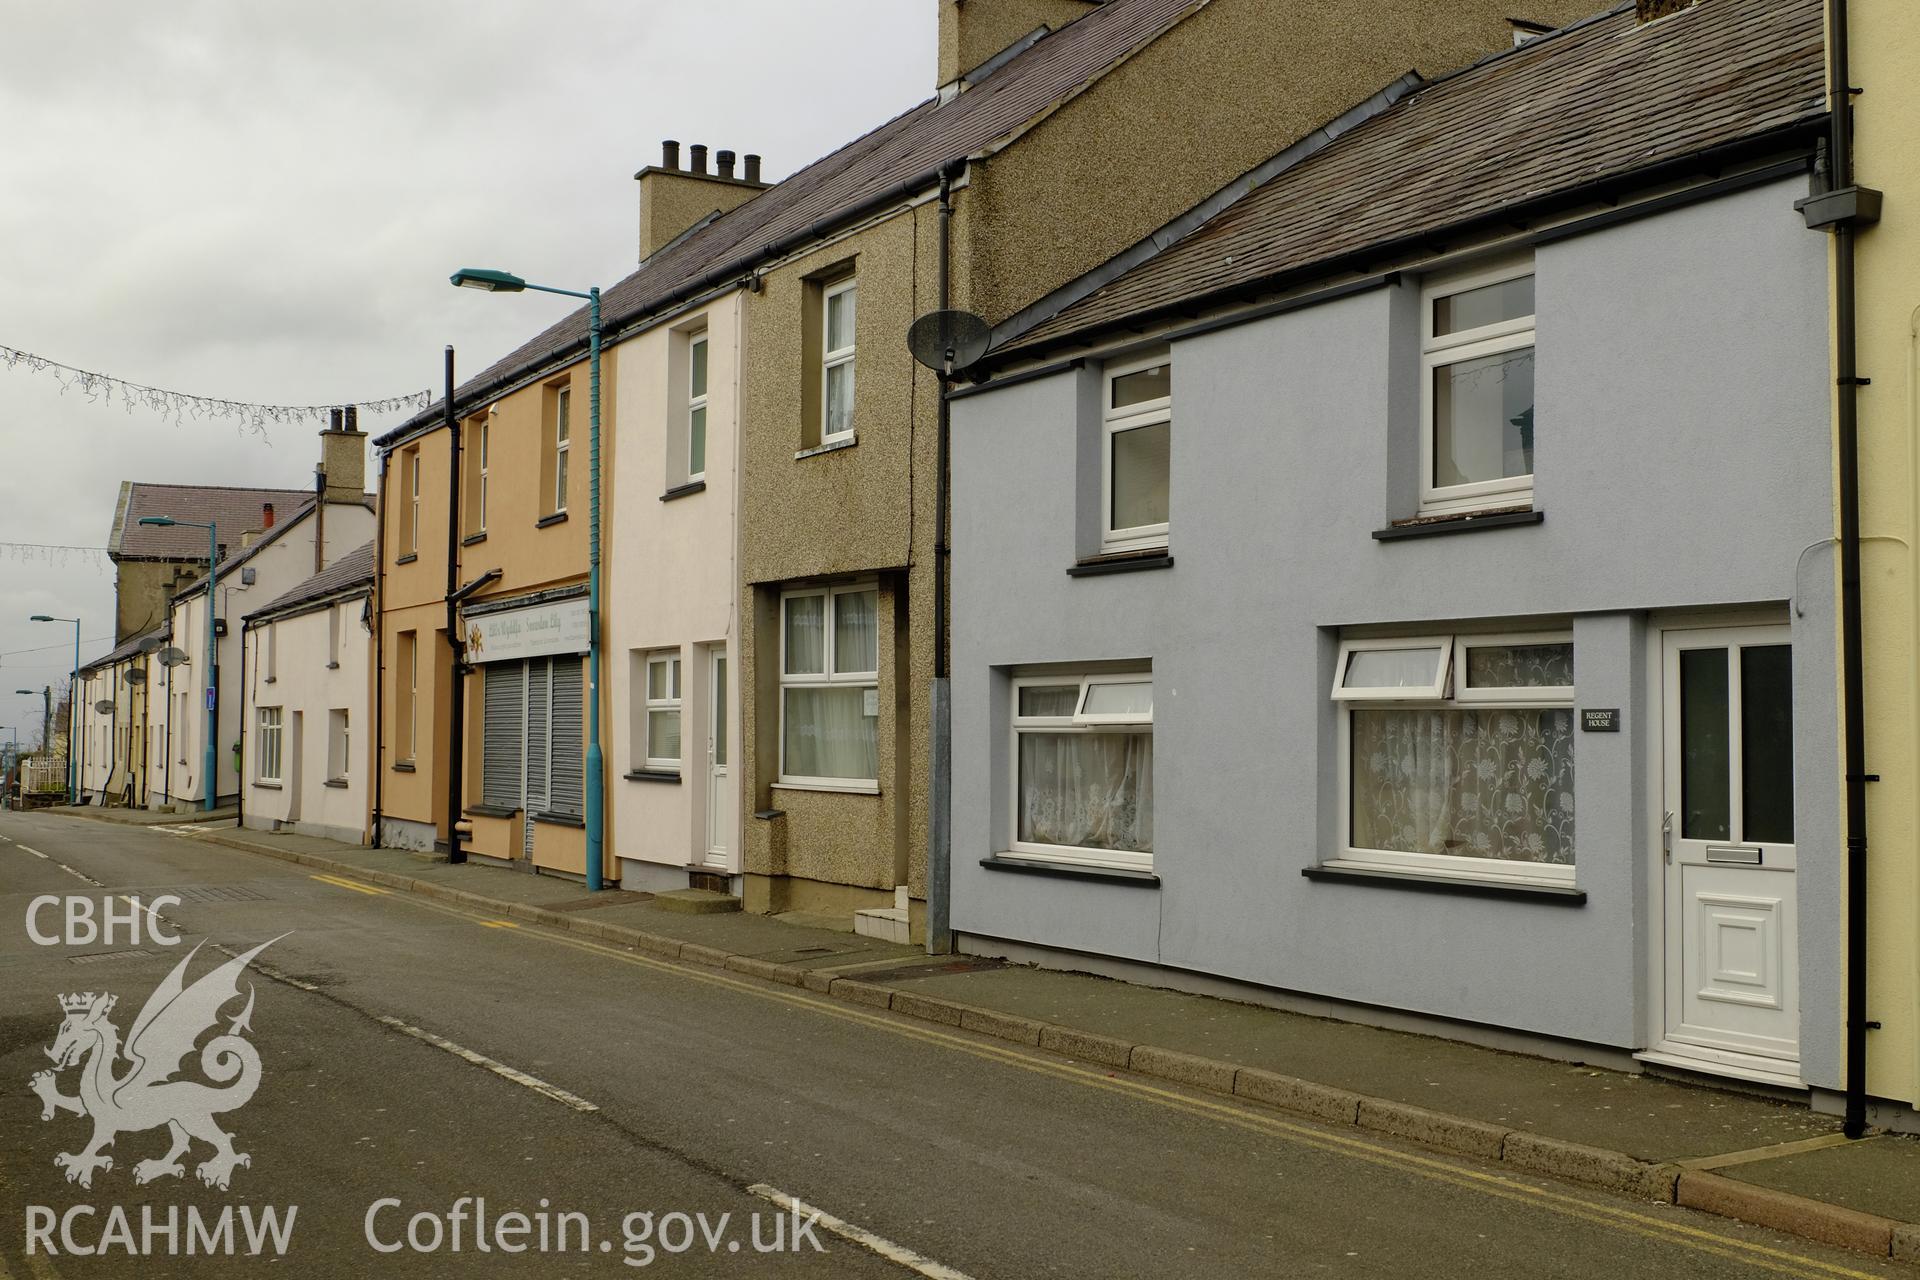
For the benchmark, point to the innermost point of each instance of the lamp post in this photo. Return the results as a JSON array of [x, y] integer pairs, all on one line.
[[210, 765], [46, 714], [505, 282], [73, 708]]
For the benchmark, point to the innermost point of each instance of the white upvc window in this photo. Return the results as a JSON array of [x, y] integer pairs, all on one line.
[[269, 754], [411, 461], [339, 744], [697, 408], [480, 495], [1476, 390], [562, 444], [663, 710], [1136, 418], [1082, 761], [839, 305], [1456, 756], [830, 687]]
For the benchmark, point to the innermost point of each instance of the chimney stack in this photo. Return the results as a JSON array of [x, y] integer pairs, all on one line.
[[973, 31], [266, 516], [1648, 10], [753, 167], [697, 158], [673, 199], [669, 154], [343, 457], [723, 164]]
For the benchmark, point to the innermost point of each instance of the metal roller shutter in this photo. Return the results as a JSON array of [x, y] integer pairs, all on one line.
[[502, 734], [568, 778], [537, 677]]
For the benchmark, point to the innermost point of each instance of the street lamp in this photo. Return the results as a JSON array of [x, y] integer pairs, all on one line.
[[210, 765], [506, 282], [73, 708], [46, 714]]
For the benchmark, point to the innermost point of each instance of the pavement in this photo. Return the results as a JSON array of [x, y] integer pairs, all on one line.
[[1520, 1121]]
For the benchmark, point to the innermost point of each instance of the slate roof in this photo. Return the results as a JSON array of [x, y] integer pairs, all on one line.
[[232, 561], [354, 569], [906, 153], [128, 648], [236, 511], [1603, 98]]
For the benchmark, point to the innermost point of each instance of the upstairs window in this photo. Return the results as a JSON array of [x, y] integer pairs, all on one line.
[[1137, 432], [839, 304], [410, 487], [475, 459], [562, 444], [697, 409], [1477, 391]]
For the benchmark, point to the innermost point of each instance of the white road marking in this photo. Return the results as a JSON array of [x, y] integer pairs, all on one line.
[[885, 1248], [35, 852], [500, 1069]]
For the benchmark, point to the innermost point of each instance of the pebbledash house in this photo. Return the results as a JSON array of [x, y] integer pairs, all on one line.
[[1403, 588]]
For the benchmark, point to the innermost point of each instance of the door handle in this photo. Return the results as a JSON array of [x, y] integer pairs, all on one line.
[[1666, 835]]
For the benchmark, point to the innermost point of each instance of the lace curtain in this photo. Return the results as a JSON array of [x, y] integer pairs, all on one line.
[[1090, 790], [829, 734], [1483, 784]]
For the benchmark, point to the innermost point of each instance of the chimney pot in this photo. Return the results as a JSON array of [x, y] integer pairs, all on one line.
[[753, 167], [669, 154], [333, 419], [266, 515], [353, 417], [697, 158], [723, 163]]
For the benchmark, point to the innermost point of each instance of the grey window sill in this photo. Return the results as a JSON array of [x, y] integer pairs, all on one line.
[[547, 522], [268, 786], [830, 447], [408, 558], [333, 666], [271, 680], [491, 810], [473, 539], [403, 766], [560, 820], [1128, 562], [769, 815], [684, 490], [1067, 871], [335, 782], [653, 775], [1550, 895], [1468, 523]]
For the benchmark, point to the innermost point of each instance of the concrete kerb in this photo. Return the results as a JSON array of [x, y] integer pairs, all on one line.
[[1457, 1135]]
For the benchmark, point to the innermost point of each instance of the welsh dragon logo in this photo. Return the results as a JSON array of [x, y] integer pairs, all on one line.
[[145, 1095]]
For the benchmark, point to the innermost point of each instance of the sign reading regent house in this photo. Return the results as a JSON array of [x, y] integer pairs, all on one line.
[[533, 632]]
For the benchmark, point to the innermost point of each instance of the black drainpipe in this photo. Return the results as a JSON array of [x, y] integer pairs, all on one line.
[[456, 745], [240, 761], [379, 653], [1852, 663]]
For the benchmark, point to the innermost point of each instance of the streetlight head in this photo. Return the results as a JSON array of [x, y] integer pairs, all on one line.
[[491, 281], [43, 617], [165, 522], [31, 693]]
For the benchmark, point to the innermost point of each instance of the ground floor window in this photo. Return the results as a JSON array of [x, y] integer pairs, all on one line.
[[661, 714], [269, 750], [532, 739], [339, 750], [1458, 754], [830, 686], [1083, 769]]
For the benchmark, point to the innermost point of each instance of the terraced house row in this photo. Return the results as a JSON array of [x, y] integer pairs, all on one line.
[[1427, 536]]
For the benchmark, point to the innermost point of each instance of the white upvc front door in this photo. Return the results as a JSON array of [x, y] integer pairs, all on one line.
[[720, 799], [1730, 929]]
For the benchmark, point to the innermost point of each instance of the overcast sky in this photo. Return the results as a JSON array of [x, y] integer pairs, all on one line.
[[263, 202]]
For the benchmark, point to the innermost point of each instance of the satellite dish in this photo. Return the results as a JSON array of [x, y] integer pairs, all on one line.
[[149, 644], [948, 341], [172, 657], [104, 706], [136, 676]]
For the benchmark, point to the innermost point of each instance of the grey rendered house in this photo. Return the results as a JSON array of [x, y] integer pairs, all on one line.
[[1403, 590]]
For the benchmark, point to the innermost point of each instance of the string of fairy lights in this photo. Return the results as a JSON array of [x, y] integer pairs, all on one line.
[[182, 406]]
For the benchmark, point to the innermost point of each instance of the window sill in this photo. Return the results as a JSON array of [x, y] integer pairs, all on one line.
[[1120, 562], [335, 782], [1466, 522], [653, 775], [560, 820], [1563, 895], [490, 811], [1070, 871], [408, 558], [473, 539], [829, 447], [547, 522], [333, 666], [267, 786], [403, 766], [845, 788], [686, 490]]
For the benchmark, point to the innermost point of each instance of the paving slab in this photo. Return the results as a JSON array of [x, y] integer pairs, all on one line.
[[1646, 1117], [1880, 1175]]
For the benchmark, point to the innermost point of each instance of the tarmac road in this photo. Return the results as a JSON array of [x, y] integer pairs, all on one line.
[[416, 1058]]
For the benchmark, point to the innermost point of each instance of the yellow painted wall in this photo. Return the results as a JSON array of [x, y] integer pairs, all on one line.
[[1886, 64]]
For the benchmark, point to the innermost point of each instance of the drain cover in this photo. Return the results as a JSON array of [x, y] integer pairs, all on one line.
[[211, 893], [98, 956]]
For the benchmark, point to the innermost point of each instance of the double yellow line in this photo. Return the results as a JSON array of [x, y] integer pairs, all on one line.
[[1243, 1117]]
